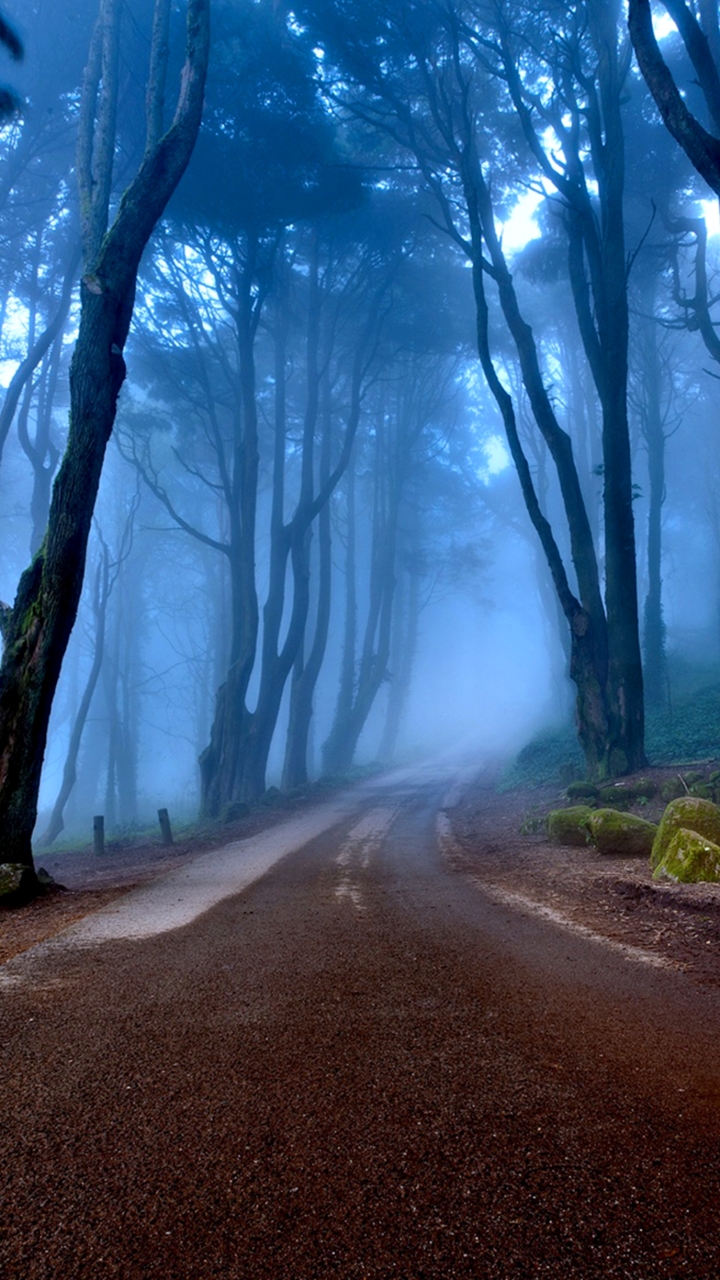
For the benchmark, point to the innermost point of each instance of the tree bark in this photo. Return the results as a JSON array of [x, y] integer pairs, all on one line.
[[100, 600]]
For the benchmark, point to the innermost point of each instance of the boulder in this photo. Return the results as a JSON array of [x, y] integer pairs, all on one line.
[[621, 833], [273, 798], [569, 826], [703, 789], [17, 883], [612, 797], [689, 813], [644, 788], [582, 791], [672, 789], [690, 858]]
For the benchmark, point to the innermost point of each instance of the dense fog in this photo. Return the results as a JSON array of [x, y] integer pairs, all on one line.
[[416, 445]]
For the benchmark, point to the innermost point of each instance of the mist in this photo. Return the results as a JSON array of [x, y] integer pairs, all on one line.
[[382, 479]]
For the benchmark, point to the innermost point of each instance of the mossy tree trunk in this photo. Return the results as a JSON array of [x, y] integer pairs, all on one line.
[[37, 629]]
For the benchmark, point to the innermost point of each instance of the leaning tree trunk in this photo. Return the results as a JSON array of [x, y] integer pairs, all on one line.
[[585, 617], [406, 633], [341, 745], [654, 656], [307, 672], [37, 629]]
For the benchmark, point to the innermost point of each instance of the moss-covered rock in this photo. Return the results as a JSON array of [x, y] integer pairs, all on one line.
[[569, 826], [616, 797], [622, 833], [672, 789], [621, 795], [17, 883], [703, 790], [689, 813], [582, 791], [644, 788], [690, 858]]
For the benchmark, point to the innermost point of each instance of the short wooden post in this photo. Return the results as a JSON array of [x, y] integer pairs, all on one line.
[[164, 820], [99, 833]]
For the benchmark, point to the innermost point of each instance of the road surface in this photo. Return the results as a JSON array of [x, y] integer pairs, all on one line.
[[357, 1065]]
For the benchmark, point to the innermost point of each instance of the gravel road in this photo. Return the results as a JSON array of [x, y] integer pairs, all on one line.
[[359, 1066]]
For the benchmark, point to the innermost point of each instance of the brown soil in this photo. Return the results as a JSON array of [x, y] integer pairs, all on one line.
[[613, 897]]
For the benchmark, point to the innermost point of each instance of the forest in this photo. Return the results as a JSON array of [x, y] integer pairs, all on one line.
[[358, 386]]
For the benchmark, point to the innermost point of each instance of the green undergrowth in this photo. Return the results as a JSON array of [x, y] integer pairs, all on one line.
[[688, 730]]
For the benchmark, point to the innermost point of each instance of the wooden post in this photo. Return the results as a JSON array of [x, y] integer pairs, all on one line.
[[99, 833], [164, 820]]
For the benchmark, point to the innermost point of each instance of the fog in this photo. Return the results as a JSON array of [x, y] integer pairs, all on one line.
[[338, 524]]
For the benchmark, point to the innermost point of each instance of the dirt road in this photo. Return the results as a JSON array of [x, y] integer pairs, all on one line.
[[358, 1066]]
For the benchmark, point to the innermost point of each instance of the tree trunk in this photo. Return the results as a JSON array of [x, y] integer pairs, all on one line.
[[350, 718], [611, 302], [221, 763], [406, 630], [654, 665], [585, 617], [306, 673], [57, 821]]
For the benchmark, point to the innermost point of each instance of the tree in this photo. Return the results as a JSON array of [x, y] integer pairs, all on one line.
[[449, 85], [37, 629]]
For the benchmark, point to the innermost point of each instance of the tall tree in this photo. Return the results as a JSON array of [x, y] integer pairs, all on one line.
[[37, 629]]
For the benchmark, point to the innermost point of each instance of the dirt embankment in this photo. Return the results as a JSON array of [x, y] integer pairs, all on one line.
[[612, 897]]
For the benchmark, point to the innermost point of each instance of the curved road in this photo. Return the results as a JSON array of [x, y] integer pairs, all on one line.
[[358, 1065]]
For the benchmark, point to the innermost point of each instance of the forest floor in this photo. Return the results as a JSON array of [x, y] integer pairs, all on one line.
[[611, 898]]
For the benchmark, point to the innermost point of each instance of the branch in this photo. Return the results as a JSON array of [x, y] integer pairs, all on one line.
[[701, 148], [28, 366]]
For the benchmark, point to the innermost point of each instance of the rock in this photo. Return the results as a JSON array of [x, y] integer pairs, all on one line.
[[621, 833], [582, 791], [569, 826], [17, 883], [690, 858], [690, 813], [672, 789], [692, 777], [644, 788], [273, 797], [622, 794], [47, 882], [616, 797]]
